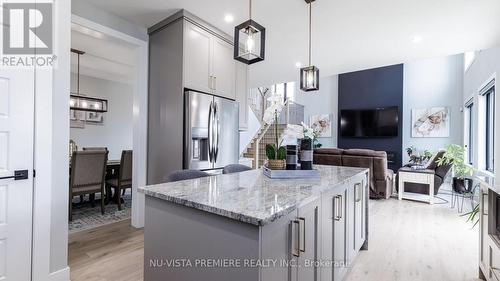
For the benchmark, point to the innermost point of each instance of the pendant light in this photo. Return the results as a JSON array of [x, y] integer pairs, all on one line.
[[84, 103], [249, 41], [309, 75]]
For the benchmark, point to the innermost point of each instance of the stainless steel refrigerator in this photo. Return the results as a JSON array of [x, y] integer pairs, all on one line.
[[211, 131]]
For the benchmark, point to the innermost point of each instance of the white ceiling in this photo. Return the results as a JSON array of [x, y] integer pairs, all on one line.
[[348, 35], [105, 57]]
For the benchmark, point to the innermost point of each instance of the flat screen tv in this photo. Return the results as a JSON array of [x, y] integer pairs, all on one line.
[[369, 123]]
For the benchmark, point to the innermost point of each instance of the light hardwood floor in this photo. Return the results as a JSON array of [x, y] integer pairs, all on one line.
[[416, 241], [409, 241], [113, 252]]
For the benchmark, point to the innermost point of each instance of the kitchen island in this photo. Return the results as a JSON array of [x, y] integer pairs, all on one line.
[[245, 226]]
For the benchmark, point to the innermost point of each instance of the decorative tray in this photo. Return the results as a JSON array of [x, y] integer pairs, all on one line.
[[290, 174]]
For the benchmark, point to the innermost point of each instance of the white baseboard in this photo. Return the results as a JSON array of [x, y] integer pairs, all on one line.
[[60, 275]]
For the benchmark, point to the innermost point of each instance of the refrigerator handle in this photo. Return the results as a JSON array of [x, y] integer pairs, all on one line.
[[210, 120], [217, 130]]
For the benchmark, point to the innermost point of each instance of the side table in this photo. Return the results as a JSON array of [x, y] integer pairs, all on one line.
[[425, 176]]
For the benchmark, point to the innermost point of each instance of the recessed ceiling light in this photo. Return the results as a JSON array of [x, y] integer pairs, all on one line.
[[416, 39], [298, 64], [229, 18]]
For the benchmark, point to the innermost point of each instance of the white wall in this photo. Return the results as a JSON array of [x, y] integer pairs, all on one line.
[[88, 11], [324, 101], [50, 203], [433, 83], [485, 67], [247, 135], [117, 132]]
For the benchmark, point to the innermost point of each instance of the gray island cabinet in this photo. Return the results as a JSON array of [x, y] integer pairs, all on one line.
[[245, 226]]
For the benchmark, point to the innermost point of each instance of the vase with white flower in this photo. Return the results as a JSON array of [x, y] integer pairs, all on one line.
[[275, 152]]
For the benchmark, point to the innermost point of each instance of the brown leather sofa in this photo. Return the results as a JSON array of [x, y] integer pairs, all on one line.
[[381, 178]]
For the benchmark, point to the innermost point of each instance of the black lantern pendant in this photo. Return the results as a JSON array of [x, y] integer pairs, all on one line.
[[309, 76], [249, 41]]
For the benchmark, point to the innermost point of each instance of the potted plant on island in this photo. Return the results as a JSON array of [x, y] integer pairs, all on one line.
[[454, 155], [275, 152]]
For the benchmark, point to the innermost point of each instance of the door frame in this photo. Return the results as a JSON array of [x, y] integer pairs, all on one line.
[[140, 112]]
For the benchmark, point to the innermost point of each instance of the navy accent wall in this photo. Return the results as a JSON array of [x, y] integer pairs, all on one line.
[[378, 87]]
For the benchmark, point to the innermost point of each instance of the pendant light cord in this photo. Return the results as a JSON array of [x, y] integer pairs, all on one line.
[[78, 76], [310, 31], [250, 9]]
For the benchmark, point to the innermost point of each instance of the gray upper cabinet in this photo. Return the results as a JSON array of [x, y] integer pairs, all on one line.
[[223, 68], [208, 62], [185, 52], [197, 58]]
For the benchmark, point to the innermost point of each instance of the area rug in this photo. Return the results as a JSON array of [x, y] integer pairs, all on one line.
[[85, 217]]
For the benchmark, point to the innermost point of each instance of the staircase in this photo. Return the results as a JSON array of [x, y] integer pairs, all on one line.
[[256, 149], [292, 113]]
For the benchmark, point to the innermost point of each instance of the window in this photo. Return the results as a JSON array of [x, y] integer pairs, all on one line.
[[489, 96], [469, 119]]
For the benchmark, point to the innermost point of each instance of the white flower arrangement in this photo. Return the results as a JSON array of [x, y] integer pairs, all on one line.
[[271, 113], [302, 131]]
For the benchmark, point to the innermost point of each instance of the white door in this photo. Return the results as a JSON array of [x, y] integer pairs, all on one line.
[[197, 50], [16, 154], [223, 65]]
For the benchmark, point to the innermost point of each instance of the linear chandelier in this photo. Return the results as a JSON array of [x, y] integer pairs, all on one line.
[[83, 103]]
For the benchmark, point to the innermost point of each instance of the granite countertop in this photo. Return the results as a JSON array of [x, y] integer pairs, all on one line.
[[489, 181], [250, 196]]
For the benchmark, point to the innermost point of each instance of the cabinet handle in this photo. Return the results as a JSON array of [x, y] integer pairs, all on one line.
[[341, 207], [338, 205], [357, 189], [297, 254], [336, 208], [210, 82], [302, 244], [483, 202], [215, 83]]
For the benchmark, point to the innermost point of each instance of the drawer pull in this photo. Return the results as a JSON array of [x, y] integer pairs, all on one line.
[[297, 253], [357, 192], [302, 244], [484, 202]]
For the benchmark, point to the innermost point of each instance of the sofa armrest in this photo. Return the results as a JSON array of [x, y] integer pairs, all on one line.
[[390, 175]]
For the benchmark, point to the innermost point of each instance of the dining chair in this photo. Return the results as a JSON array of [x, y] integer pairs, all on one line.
[[124, 179], [185, 175], [88, 171], [235, 168]]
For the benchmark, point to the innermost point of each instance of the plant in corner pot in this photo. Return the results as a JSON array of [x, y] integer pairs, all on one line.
[[454, 155], [275, 152]]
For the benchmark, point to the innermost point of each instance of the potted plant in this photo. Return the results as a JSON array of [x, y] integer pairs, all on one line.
[[275, 152], [418, 157], [454, 156]]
